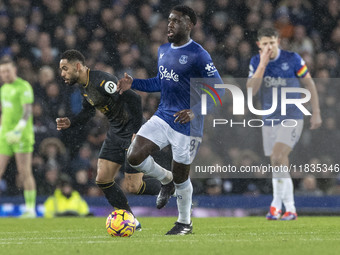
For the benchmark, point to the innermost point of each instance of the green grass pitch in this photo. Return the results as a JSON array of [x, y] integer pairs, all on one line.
[[249, 235]]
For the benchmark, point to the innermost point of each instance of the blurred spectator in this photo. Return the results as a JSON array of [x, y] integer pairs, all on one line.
[[309, 187], [44, 126], [53, 152], [65, 201], [301, 43], [213, 187]]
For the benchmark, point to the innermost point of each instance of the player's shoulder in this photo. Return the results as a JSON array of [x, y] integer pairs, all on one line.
[[289, 54], [97, 76], [198, 48], [23, 83]]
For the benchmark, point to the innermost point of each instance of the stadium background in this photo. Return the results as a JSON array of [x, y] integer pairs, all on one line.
[[123, 36]]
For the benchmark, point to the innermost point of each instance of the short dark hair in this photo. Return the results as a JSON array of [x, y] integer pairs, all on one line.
[[73, 55], [186, 10], [6, 60], [267, 32]]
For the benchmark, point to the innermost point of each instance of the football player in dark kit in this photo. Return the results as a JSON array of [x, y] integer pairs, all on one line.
[[124, 113]]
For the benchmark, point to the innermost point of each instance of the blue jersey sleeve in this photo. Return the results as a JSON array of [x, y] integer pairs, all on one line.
[[300, 67], [211, 77], [148, 85]]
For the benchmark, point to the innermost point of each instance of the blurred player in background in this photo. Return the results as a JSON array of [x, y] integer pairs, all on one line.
[[124, 113], [16, 130], [174, 122], [276, 68]]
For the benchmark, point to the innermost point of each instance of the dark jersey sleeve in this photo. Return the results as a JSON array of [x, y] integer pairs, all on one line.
[[134, 104], [87, 112], [131, 100]]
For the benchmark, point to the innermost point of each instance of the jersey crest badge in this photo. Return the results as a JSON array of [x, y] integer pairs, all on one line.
[[110, 87], [285, 66], [183, 59]]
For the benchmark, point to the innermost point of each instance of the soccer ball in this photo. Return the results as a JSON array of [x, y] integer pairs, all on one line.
[[120, 223]]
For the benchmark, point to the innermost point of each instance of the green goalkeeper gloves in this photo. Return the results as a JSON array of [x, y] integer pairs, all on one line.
[[14, 136]]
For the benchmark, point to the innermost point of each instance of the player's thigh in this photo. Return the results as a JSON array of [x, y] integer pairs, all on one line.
[[290, 133], [151, 137], [140, 149], [155, 130], [111, 157], [269, 135], [5, 148], [184, 148], [106, 170]]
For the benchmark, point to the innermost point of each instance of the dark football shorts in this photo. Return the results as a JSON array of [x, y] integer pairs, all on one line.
[[114, 149]]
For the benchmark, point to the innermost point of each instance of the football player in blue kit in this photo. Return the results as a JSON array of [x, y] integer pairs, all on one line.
[[276, 68], [177, 121]]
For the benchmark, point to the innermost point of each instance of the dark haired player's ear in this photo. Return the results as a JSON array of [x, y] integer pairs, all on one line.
[[190, 26], [78, 66]]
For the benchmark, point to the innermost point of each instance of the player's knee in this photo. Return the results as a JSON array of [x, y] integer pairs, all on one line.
[[133, 158], [102, 178], [277, 159]]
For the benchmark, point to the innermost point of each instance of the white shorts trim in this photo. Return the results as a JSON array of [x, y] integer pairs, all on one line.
[[184, 148], [280, 134]]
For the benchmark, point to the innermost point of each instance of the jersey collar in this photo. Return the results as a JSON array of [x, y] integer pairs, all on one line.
[[88, 78], [182, 46]]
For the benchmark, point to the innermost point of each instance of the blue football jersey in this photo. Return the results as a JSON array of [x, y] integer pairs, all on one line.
[[283, 71], [176, 66]]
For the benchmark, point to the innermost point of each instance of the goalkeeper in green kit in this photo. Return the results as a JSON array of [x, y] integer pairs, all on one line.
[[16, 130]]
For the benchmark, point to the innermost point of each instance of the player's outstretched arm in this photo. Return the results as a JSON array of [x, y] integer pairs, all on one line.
[[184, 116], [63, 123], [124, 83], [315, 121]]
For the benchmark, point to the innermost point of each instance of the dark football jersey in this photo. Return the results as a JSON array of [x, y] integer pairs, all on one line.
[[124, 112]]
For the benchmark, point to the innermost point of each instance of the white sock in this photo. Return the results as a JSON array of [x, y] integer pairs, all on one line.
[[151, 168], [278, 188], [184, 201], [288, 195]]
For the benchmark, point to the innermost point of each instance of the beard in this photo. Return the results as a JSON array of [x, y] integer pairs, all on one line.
[[71, 81], [176, 38]]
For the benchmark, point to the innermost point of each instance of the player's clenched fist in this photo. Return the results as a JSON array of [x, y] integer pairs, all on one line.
[[63, 123]]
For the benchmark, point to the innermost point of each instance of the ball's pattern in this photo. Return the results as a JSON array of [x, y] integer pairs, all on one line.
[[120, 223]]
